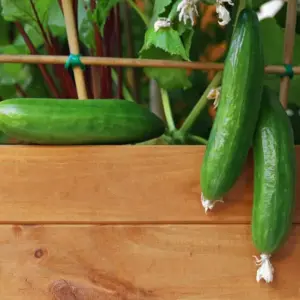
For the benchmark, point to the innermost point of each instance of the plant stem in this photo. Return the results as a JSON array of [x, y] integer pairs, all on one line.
[[197, 139], [201, 104], [59, 72], [99, 52], [126, 93], [118, 48], [167, 110], [139, 12], [37, 19], [20, 90], [65, 79], [46, 75], [130, 49], [107, 38]]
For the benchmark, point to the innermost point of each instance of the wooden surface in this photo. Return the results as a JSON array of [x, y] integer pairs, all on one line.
[[126, 223], [165, 262], [114, 184]]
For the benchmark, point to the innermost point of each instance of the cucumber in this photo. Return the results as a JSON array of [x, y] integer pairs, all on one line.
[[274, 181], [238, 110], [72, 121]]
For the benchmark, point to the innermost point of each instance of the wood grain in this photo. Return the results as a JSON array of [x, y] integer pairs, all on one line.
[[102, 184], [179, 262]]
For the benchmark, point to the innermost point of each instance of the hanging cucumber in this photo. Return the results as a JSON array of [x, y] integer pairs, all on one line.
[[238, 110], [71, 122], [274, 182]]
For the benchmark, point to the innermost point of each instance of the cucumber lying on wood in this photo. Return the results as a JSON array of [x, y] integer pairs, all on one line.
[[238, 110], [274, 182], [71, 121]]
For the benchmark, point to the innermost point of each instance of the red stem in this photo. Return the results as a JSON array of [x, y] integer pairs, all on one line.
[[20, 90], [75, 11], [130, 50], [51, 50], [118, 49], [64, 76], [104, 72], [46, 75], [108, 37], [44, 34]]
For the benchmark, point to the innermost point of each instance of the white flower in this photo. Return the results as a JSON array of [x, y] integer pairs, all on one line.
[[265, 270], [209, 204], [222, 12], [214, 94], [188, 10], [162, 23]]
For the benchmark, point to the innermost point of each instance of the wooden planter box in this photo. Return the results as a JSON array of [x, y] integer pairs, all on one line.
[[126, 222]]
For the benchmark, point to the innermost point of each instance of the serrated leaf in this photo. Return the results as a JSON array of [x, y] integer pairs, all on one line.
[[102, 11], [168, 78], [166, 39], [273, 41]]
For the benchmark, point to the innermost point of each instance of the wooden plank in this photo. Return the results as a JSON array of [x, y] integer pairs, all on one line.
[[184, 262], [114, 184]]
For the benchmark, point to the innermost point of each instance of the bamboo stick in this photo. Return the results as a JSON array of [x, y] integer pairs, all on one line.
[[289, 41], [130, 62], [74, 47]]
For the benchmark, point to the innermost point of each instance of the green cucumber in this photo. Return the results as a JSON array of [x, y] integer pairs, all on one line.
[[274, 181], [71, 121], [232, 132]]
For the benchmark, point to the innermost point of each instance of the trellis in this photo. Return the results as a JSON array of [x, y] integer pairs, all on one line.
[[289, 40]]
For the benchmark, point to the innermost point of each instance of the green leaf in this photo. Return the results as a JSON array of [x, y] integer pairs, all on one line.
[[49, 14], [21, 10], [102, 11], [159, 8], [5, 29], [34, 36], [173, 12], [85, 26], [166, 44], [273, 41], [211, 2], [166, 39], [56, 20], [167, 78], [257, 3], [7, 91], [35, 86], [187, 38], [12, 73]]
